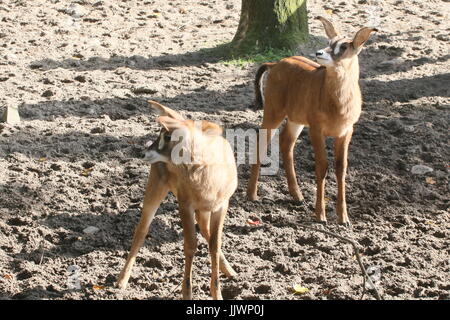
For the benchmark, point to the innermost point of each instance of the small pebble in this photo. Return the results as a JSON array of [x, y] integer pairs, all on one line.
[[76, 11], [91, 230], [47, 93], [421, 169], [81, 79]]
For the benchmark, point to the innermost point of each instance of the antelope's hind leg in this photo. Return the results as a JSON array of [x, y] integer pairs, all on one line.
[[215, 245], [288, 138], [203, 219], [270, 123]]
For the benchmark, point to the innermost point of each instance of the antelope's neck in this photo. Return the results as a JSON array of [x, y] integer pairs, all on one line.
[[341, 84]]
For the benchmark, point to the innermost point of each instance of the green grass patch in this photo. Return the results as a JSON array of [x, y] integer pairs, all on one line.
[[258, 57], [225, 55]]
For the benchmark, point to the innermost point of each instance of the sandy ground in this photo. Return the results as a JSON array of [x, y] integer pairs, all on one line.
[[81, 75]]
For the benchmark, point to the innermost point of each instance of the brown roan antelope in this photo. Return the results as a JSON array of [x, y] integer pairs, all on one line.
[[193, 161], [324, 96]]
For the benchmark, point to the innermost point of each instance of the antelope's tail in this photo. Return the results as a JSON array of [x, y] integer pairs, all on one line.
[[259, 103]]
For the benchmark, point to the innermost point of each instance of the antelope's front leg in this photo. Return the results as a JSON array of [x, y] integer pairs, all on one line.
[[215, 249], [190, 247], [321, 166], [156, 191], [341, 155]]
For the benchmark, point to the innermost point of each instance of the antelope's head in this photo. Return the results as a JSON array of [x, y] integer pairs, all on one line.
[[341, 50], [178, 139]]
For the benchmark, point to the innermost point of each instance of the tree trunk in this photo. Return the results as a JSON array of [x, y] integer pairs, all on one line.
[[275, 24]]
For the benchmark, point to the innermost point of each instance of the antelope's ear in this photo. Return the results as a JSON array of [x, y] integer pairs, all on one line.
[[330, 30], [165, 111], [361, 37], [211, 128], [170, 124]]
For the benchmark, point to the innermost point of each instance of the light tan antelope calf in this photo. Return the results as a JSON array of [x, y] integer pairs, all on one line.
[[324, 96], [201, 171]]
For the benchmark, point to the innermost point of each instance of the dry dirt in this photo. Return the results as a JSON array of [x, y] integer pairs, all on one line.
[[81, 76]]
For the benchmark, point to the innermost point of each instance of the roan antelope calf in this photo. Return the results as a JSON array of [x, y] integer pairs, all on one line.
[[203, 182], [324, 96]]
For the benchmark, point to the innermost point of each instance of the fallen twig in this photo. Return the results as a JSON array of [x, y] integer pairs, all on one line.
[[358, 258], [42, 247]]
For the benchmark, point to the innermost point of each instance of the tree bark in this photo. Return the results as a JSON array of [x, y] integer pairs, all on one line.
[[275, 24]]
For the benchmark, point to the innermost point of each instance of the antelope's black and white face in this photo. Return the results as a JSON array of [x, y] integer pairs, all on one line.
[[159, 150], [340, 48], [174, 138]]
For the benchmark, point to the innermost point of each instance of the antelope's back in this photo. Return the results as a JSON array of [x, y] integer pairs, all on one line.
[[223, 170], [293, 86], [212, 181]]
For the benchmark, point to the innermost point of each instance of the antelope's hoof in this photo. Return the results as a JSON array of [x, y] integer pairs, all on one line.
[[297, 195], [323, 222], [252, 197], [121, 284], [231, 274], [346, 224], [187, 296]]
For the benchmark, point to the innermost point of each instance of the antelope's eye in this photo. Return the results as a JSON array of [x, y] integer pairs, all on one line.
[[167, 138], [344, 47]]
